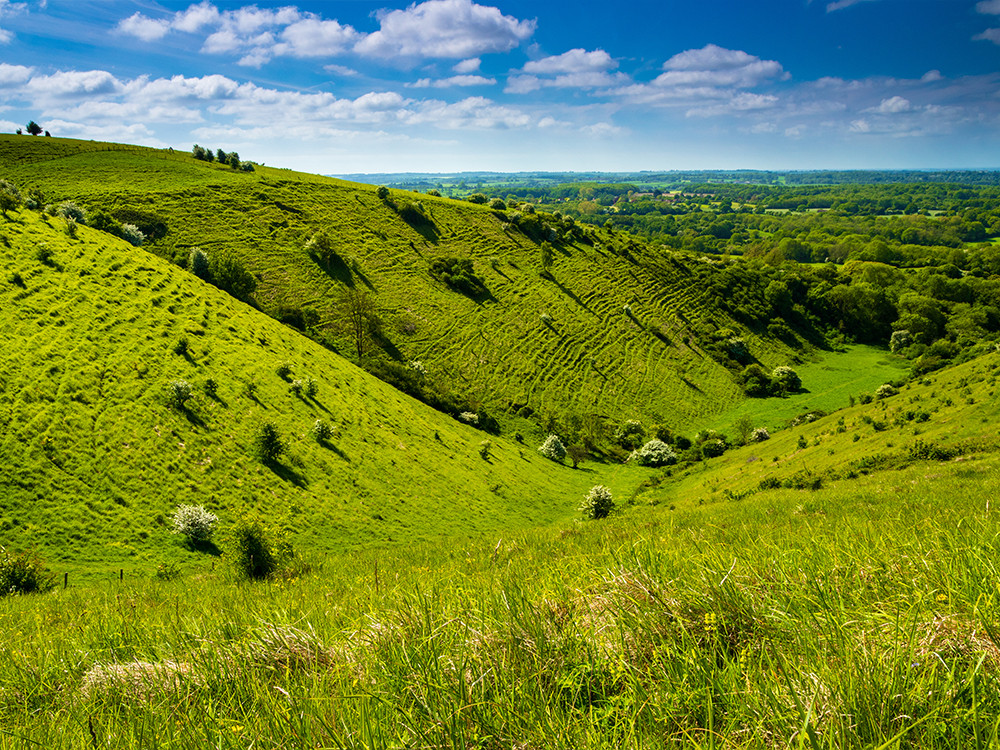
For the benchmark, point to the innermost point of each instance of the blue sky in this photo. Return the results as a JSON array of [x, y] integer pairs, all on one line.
[[448, 85]]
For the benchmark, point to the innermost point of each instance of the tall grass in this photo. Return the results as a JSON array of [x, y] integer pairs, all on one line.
[[750, 624]]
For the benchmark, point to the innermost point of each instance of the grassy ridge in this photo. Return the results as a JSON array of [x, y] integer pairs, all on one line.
[[591, 358], [859, 615], [95, 459]]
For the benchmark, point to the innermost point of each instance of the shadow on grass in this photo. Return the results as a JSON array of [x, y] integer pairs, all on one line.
[[331, 447], [205, 546], [287, 473]]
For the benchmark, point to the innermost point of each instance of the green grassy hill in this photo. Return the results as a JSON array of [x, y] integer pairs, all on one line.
[[95, 459], [859, 614], [619, 331]]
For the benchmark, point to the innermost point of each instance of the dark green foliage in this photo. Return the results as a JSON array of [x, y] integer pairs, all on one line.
[[458, 274], [10, 197], [257, 551], [198, 264], [23, 573], [229, 274], [754, 381], [476, 198], [33, 128], [151, 224], [300, 318], [211, 388], [382, 192], [268, 445], [182, 347], [630, 434]]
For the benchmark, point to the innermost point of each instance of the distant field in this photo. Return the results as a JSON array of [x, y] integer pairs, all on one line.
[[828, 383]]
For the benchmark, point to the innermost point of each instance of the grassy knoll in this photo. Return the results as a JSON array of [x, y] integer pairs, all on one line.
[[617, 332], [859, 615], [828, 381], [95, 458]]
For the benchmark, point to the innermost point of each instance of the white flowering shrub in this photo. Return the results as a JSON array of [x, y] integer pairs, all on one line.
[[598, 503], [194, 522], [133, 235], [418, 367], [469, 417], [654, 453], [885, 390], [69, 210], [553, 448], [760, 435], [900, 340], [785, 379]]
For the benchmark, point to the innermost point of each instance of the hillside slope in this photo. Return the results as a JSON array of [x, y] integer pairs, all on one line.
[[619, 330], [94, 459]]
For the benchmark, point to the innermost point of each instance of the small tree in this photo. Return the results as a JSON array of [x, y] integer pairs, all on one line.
[[257, 551], [743, 427], [194, 523], [598, 503], [382, 192], [198, 264], [629, 434], [178, 394], [553, 448], [547, 256], [321, 431], [267, 443], [900, 340], [358, 316], [34, 128]]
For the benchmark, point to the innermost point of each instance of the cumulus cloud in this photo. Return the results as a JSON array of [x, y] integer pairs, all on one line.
[[75, 83], [8, 8], [892, 105], [467, 66], [12, 75], [444, 28], [718, 67], [575, 61], [143, 28], [312, 37], [988, 7], [451, 81]]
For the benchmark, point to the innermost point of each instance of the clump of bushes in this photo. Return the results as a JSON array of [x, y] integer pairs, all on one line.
[[598, 503], [69, 210], [785, 380], [759, 435], [132, 234], [654, 453], [885, 391], [553, 448], [756, 383], [458, 274], [629, 434], [194, 523], [23, 573], [256, 550]]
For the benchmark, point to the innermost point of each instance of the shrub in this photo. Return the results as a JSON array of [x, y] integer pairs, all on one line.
[[900, 340], [785, 379], [755, 382], [321, 431], [283, 370], [553, 448], [654, 453], [311, 388], [484, 449], [43, 254], [182, 348], [713, 448], [71, 227], [267, 443], [194, 522], [629, 434], [469, 417], [382, 192], [297, 387], [476, 198], [598, 503], [498, 205], [10, 197], [256, 550], [69, 210], [178, 393], [885, 391], [458, 274], [23, 573], [131, 234], [760, 435]]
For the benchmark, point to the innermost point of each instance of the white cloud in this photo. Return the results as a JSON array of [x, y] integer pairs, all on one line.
[[573, 61], [990, 35], [451, 81], [196, 17], [8, 8], [891, 106], [989, 7], [477, 113], [931, 76], [602, 130], [141, 27], [75, 83], [341, 70], [716, 66], [467, 66], [741, 102], [12, 75], [444, 28], [312, 37]]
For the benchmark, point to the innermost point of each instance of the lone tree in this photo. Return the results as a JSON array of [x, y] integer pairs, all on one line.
[[358, 315], [10, 197], [34, 128]]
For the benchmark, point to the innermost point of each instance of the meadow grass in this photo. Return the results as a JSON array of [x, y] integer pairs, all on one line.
[[862, 616]]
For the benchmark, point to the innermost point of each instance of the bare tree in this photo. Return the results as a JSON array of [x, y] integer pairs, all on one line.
[[358, 315]]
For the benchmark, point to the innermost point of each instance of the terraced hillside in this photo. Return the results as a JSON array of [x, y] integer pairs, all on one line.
[[94, 458], [616, 332]]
